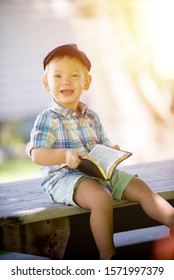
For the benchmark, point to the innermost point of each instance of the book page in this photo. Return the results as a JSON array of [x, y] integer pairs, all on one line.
[[106, 156]]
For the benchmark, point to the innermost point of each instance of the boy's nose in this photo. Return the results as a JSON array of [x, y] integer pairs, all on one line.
[[66, 79]]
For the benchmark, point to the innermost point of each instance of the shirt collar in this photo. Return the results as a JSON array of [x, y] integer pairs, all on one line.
[[54, 106]]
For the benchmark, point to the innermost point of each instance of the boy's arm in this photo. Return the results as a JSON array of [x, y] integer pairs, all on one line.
[[50, 156]]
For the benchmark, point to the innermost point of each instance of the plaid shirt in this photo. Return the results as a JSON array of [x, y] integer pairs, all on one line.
[[58, 127]]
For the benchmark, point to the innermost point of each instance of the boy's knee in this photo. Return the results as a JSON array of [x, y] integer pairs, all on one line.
[[105, 197], [101, 199], [90, 193], [138, 183], [136, 190]]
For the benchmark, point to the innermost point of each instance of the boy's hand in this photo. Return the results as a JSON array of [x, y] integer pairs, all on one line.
[[72, 158], [116, 147]]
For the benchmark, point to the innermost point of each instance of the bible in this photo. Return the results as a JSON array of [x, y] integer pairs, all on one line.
[[101, 161]]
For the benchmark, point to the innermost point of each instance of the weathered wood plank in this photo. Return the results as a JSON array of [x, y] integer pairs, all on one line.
[[31, 223], [46, 238], [25, 202]]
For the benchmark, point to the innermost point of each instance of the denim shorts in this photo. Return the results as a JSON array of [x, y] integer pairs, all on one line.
[[63, 190]]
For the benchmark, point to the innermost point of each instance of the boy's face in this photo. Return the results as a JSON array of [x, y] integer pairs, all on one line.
[[66, 78]]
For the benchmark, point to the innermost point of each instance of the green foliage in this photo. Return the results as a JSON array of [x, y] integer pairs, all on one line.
[[18, 169]]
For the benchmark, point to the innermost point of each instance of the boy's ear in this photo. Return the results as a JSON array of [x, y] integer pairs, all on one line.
[[87, 82], [45, 83]]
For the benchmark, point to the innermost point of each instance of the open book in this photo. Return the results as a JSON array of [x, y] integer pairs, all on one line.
[[101, 161]]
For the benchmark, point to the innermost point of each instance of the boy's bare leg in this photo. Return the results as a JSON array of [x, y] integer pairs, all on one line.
[[154, 205], [90, 194]]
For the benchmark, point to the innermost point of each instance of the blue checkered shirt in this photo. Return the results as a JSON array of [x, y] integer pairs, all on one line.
[[58, 127]]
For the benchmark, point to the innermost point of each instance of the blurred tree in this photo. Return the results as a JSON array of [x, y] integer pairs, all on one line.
[[130, 39]]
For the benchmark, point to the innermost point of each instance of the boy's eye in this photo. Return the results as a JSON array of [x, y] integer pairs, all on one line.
[[75, 75], [57, 76]]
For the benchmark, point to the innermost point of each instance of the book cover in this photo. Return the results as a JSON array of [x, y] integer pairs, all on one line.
[[102, 161]]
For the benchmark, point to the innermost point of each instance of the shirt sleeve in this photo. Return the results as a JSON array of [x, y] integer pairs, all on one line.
[[42, 134]]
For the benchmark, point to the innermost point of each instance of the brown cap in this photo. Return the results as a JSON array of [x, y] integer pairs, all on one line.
[[70, 50]]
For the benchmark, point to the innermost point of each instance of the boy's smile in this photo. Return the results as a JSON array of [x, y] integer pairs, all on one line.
[[67, 92], [66, 78]]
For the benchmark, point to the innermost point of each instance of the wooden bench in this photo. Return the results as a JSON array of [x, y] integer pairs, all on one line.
[[31, 223]]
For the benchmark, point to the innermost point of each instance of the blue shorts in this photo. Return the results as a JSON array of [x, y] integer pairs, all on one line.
[[63, 191]]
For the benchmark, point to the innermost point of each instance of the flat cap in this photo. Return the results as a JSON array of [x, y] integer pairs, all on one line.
[[70, 50]]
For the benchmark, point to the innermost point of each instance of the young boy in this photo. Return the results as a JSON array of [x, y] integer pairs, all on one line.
[[67, 130]]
